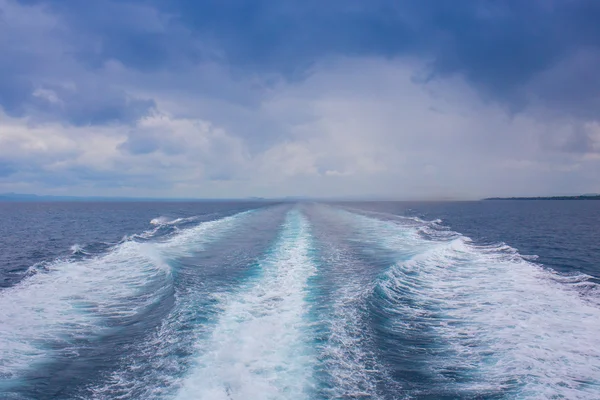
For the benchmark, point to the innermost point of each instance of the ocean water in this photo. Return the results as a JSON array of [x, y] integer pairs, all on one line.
[[257, 300]]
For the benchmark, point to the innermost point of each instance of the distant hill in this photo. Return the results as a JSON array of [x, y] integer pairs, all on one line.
[[31, 197], [21, 197], [580, 197]]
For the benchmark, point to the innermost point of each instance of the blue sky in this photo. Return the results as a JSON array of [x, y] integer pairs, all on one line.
[[231, 98]]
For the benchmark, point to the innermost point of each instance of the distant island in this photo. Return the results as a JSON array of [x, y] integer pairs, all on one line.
[[580, 197], [32, 198]]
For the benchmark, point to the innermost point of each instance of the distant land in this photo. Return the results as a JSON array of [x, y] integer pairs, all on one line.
[[28, 197], [580, 197], [32, 198], [22, 197]]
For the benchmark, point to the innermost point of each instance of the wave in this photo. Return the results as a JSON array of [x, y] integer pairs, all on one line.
[[473, 320], [153, 365], [348, 365], [343, 304], [48, 313], [160, 220], [163, 220], [351, 364], [67, 303], [78, 249], [260, 346]]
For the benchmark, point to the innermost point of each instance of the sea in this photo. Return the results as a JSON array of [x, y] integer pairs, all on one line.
[[300, 300]]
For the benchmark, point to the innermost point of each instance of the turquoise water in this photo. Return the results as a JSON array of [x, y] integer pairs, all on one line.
[[299, 301]]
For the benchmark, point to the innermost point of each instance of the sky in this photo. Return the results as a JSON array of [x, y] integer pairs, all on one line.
[[393, 99]]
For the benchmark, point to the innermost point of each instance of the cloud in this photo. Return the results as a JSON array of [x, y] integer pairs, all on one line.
[[376, 130], [41, 76], [212, 99], [176, 150], [499, 47]]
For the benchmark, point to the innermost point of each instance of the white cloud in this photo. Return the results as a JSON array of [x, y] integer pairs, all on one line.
[[354, 126], [369, 119]]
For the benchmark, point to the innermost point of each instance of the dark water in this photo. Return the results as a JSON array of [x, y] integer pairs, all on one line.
[[389, 300]]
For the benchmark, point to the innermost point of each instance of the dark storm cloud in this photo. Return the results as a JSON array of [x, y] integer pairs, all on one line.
[[41, 78], [499, 46], [88, 104], [265, 72]]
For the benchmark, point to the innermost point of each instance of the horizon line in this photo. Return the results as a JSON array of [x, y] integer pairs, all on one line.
[[16, 197]]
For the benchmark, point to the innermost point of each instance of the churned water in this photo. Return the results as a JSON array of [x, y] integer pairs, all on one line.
[[233, 300]]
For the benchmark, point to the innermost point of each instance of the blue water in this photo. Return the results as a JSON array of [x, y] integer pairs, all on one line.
[[256, 300]]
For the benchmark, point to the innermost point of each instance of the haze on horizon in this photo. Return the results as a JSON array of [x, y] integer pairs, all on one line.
[[222, 99]]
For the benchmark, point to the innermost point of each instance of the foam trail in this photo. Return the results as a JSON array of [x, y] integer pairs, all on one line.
[[398, 235], [260, 347], [492, 323], [349, 367], [352, 366], [50, 313], [152, 367]]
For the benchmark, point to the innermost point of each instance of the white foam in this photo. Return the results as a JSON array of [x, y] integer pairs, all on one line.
[[392, 234], [78, 249], [509, 324], [58, 307], [71, 300], [259, 349], [351, 366], [162, 220]]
